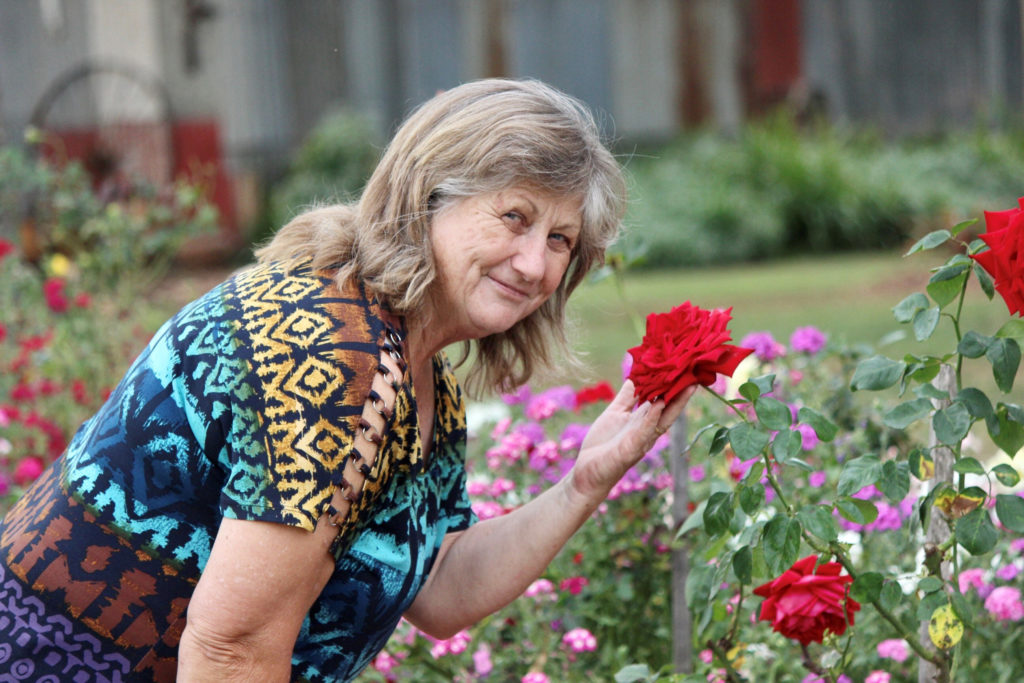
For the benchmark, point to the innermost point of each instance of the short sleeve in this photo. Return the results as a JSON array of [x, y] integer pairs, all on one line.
[[296, 356]]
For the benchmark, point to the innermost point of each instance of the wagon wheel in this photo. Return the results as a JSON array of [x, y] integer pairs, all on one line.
[[113, 117]]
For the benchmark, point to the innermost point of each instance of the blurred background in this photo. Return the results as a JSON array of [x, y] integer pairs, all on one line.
[[754, 131], [228, 90]]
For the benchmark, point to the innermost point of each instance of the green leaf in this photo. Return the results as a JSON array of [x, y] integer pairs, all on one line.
[[929, 604], [818, 520], [877, 372], [718, 513], [985, 280], [1010, 510], [929, 584], [858, 473], [751, 497], [749, 391], [976, 532], [903, 415], [821, 425], [742, 565], [962, 225], [974, 345], [773, 413], [930, 241], [718, 441], [694, 521], [1005, 431], [976, 402], [951, 424], [894, 483], [1004, 354], [748, 441], [968, 465], [1014, 329], [925, 322], [634, 673], [786, 445], [856, 510], [1006, 475], [781, 543], [905, 310], [946, 285], [764, 383], [867, 587], [891, 595]]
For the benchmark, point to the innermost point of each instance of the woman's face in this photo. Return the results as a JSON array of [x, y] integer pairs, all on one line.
[[499, 257]]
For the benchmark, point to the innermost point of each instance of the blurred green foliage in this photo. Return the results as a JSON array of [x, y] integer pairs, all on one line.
[[112, 234], [778, 189], [331, 165]]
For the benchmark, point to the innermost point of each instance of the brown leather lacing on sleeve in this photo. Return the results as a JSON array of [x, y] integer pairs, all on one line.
[[361, 466]]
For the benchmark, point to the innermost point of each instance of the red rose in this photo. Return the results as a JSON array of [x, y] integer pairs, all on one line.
[[53, 292], [803, 603], [1004, 260], [602, 391], [683, 347]]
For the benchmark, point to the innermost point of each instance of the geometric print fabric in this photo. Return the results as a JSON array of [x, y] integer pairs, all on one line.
[[245, 404]]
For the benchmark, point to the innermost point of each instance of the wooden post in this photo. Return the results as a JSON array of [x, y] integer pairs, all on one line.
[[682, 628], [938, 531]]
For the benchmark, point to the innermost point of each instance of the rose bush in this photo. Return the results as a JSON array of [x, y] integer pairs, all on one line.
[[683, 347]]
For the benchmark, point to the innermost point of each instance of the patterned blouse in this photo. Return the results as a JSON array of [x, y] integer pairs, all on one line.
[[246, 404]]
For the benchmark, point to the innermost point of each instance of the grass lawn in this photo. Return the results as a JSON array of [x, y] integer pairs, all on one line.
[[850, 297]]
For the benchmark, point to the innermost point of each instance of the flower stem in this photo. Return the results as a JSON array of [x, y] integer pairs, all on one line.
[[722, 655]]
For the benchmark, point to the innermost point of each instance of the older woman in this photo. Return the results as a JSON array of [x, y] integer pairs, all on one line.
[[284, 463]]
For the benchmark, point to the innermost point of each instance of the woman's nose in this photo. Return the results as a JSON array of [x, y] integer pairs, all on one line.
[[530, 256]]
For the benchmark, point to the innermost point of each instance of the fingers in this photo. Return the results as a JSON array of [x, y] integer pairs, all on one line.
[[673, 410]]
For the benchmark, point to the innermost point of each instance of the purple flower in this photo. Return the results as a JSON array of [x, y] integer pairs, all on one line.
[[1004, 604], [520, 395], [808, 437], [817, 479], [1007, 572], [808, 339], [696, 473], [764, 345], [1017, 545]]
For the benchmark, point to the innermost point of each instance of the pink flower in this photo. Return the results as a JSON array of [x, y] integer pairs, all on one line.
[[539, 587], [457, 644], [502, 485], [817, 479], [501, 427], [482, 661], [894, 648], [487, 509], [877, 677], [974, 578], [535, 677], [697, 473], [1004, 604], [28, 470], [706, 656], [1007, 572], [384, 662], [580, 640], [574, 584]]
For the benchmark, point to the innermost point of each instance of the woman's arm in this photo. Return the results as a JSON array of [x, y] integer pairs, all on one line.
[[246, 611], [483, 568]]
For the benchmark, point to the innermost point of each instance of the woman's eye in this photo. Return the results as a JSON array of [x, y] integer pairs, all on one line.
[[562, 241], [515, 216]]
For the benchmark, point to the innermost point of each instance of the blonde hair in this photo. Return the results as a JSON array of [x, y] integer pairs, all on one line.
[[480, 137]]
